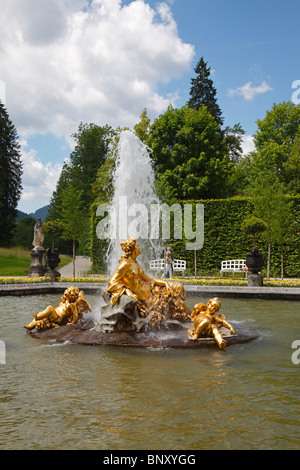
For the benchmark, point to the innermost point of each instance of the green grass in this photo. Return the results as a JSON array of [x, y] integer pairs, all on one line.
[[16, 261]]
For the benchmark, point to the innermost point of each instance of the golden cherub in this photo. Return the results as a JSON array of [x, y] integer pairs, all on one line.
[[207, 322], [69, 311]]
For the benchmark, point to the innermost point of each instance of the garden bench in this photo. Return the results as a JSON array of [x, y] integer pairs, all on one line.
[[159, 265], [234, 266]]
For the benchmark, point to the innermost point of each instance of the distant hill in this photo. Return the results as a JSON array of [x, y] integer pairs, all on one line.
[[39, 213]]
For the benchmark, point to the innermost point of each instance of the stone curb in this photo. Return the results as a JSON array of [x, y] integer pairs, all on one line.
[[271, 293]]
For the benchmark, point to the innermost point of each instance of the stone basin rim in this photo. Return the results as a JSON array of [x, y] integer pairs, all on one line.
[[173, 339]]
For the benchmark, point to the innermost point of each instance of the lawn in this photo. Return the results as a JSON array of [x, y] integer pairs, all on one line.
[[16, 261]]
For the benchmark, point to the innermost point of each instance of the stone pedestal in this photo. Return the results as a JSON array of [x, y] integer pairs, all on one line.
[[52, 275], [38, 263], [255, 280]]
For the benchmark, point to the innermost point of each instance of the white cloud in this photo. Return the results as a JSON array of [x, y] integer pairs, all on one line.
[[249, 92], [248, 144], [2, 92], [39, 180], [67, 61]]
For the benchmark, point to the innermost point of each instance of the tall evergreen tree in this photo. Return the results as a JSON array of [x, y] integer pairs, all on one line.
[[92, 144], [10, 176], [90, 153], [203, 92]]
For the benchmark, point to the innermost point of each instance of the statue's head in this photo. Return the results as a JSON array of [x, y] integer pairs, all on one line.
[[198, 308], [214, 305], [129, 246], [71, 294]]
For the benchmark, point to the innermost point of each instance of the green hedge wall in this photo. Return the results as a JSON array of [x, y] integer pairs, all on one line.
[[223, 239]]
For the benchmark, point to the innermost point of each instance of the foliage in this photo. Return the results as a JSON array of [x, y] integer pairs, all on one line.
[[11, 174], [203, 92], [22, 234], [270, 205], [103, 184], [53, 228], [254, 226], [190, 156], [73, 218], [277, 150], [223, 238], [79, 174], [90, 153], [142, 129]]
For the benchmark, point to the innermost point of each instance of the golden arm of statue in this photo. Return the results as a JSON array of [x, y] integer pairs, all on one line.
[[155, 282], [227, 325]]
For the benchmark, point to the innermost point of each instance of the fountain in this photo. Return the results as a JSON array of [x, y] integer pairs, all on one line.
[[137, 309], [134, 194]]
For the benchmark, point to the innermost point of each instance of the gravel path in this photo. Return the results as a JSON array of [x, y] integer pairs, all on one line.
[[82, 266]]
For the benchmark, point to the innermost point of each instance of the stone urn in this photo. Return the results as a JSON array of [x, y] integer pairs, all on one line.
[[255, 262], [52, 260]]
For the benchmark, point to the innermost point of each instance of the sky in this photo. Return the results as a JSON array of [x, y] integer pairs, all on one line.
[[63, 62]]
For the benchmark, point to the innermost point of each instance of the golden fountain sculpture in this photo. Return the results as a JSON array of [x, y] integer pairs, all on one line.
[[135, 303], [70, 311], [156, 299], [207, 322]]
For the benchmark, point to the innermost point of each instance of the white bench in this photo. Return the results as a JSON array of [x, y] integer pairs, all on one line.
[[159, 265], [234, 266]]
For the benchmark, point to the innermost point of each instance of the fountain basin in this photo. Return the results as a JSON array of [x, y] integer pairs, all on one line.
[[84, 334]]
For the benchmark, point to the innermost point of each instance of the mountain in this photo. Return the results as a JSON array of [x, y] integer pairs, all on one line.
[[39, 213]]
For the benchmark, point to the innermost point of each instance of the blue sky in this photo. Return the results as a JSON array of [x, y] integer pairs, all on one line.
[[103, 61]]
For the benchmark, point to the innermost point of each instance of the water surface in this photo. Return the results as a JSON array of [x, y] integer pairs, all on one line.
[[64, 396]]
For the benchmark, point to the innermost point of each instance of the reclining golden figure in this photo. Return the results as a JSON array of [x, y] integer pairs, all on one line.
[[207, 322], [156, 298], [69, 311]]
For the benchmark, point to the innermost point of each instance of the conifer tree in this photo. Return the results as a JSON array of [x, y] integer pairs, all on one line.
[[203, 92], [10, 176]]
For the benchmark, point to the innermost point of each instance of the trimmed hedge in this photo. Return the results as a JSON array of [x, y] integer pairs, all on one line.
[[223, 239]]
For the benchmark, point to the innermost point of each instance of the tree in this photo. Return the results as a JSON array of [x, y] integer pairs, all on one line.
[[277, 143], [142, 129], [11, 176], [190, 156], [203, 92], [284, 225], [22, 235], [80, 172], [53, 228], [92, 145], [65, 178], [103, 184], [269, 205], [73, 218], [253, 226]]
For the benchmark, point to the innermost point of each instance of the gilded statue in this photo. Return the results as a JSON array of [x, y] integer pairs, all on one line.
[[70, 311], [207, 322], [157, 299]]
